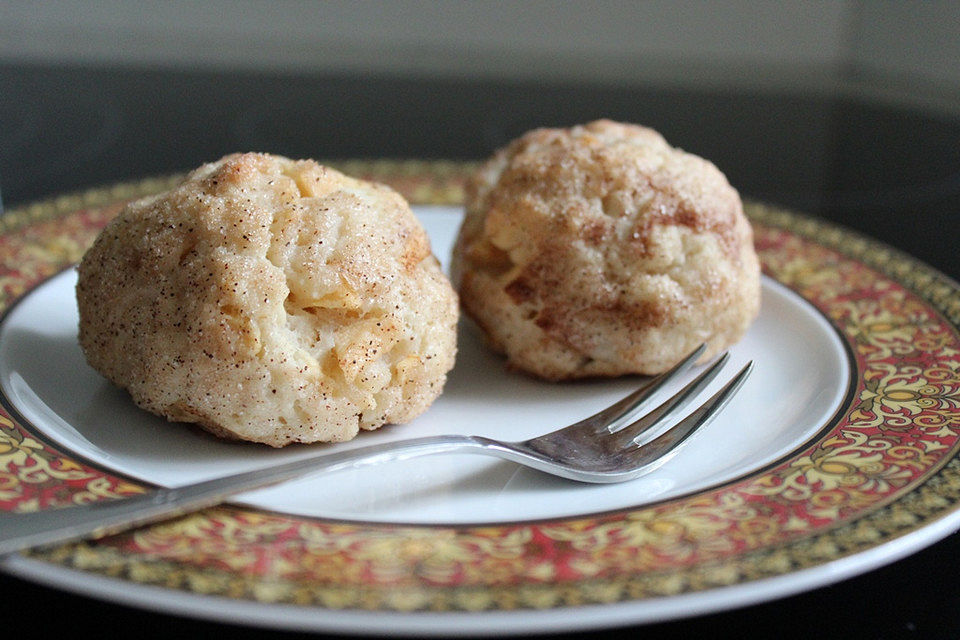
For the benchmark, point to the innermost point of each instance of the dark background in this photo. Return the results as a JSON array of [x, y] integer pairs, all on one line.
[[892, 172]]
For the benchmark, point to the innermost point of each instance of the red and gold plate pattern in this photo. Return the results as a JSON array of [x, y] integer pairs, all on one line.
[[885, 468]]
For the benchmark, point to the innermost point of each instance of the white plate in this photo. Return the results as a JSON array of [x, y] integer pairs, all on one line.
[[800, 378]]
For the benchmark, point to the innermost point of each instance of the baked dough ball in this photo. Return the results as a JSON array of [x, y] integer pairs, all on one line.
[[270, 300], [600, 250]]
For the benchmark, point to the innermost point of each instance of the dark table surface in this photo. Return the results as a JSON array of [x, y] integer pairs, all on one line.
[[891, 172]]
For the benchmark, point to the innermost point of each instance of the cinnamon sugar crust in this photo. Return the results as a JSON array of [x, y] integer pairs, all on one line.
[[270, 300], [600, 250]]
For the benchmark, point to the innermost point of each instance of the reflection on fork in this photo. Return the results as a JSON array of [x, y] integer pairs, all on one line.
[[607, 447], [610, 446]]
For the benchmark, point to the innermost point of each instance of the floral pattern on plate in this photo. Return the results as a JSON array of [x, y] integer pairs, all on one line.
[[885, 466]]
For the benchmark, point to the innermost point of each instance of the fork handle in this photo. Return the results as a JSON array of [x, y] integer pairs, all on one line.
[[25, 530]]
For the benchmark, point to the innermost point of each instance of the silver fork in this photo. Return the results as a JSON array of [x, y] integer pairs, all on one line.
[[606, 447]]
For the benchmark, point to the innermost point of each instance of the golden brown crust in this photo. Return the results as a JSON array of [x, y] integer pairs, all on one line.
[[270, 300], [600, 250]]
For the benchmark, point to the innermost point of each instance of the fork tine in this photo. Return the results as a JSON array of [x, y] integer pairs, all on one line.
[[614, 416], [669, 407], [662, 448]]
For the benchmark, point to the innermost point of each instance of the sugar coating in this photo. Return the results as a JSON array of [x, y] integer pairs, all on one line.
[[600, 250], [270, 300]]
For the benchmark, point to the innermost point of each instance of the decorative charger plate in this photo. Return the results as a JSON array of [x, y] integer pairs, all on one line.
[[839, 455]]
